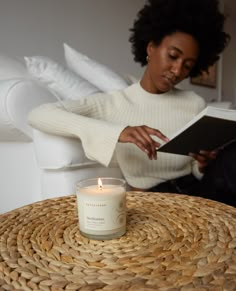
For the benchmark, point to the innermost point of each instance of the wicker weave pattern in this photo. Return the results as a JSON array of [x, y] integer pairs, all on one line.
[[173, 242]]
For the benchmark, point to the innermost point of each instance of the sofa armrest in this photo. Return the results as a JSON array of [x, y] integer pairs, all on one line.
[[221, 104], [57, 152], [62, 163], [17, 98]]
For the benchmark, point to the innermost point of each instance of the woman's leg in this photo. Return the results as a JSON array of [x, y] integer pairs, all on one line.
[[219, 181], [184, 185]]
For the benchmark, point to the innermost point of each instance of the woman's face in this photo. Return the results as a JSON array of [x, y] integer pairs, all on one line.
[[169, 62]]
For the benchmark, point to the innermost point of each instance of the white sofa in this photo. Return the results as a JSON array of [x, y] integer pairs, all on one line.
[[35, 165]]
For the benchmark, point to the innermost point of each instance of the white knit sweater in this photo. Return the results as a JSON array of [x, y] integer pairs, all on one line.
[[99, 119]]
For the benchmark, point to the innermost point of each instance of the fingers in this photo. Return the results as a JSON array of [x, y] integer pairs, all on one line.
[[141, 137], [204, 155], [204, 158], [211, 155], [157, 133]]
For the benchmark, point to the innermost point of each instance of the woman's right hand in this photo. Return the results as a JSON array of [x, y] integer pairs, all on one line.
[[141, 137]]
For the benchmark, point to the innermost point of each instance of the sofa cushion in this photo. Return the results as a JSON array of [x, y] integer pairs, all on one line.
[[100, 75], [63, 83]]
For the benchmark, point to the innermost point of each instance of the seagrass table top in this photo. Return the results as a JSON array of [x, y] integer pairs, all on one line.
[[173, 242]]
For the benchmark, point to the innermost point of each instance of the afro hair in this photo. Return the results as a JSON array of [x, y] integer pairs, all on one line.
[[200, 18]]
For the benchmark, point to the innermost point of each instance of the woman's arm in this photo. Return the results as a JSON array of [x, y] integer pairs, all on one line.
[[81, 119]]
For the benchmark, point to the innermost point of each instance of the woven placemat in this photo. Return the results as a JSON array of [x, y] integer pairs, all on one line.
[[173, 242]]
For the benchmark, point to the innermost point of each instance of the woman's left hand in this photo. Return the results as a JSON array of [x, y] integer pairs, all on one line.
[[204, 158]]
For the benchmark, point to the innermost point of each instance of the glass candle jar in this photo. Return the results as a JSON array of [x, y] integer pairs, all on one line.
[[102, 207]]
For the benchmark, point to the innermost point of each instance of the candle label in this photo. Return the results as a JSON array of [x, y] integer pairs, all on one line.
[[104, 214]]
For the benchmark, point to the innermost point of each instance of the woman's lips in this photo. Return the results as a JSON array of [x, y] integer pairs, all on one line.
[[169, 80]]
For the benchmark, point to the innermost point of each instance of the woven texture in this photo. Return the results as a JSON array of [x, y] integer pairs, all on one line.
[[173, 242]]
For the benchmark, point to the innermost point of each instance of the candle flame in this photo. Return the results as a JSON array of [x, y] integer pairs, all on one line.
[[99, 184]]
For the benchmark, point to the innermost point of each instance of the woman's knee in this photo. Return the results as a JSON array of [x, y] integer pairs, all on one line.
[[228, 159], [221, 173]]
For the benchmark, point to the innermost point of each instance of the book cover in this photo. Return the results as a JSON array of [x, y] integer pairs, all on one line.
[[211, 129]]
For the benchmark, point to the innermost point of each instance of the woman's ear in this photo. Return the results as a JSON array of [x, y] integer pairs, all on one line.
[[150, 48]]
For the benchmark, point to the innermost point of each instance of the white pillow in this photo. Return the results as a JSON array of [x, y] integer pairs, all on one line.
[[130, 79], [101, 76], [58, 79], [12, 68]]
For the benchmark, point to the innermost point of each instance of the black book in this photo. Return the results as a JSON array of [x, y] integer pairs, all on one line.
[[213, 128]]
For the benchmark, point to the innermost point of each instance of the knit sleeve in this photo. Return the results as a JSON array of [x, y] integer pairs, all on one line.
[[83, 119], [195, 170], [200, 105]]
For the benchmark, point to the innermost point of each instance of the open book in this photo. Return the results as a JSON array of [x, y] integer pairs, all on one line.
[[211, 129]]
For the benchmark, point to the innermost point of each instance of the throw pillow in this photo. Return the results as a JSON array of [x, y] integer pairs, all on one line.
[[62, 82], [130, 79], [98, 74]]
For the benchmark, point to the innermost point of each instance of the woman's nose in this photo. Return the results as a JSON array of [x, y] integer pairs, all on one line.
[[176, 69]]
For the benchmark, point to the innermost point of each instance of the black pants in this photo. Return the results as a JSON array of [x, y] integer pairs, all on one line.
[[218, 182]]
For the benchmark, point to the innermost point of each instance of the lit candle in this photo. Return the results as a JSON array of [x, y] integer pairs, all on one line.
[[102, 207]]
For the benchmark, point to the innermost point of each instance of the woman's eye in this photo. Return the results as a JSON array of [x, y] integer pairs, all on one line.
[[173, 57], [188, 67]]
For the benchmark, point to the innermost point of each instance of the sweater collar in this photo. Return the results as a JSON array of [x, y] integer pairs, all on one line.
[[152, 94], [139, 92]]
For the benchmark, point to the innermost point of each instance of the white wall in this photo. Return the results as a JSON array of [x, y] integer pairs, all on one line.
[[229, 68], [226, 67], [209, 93], [99, 29]]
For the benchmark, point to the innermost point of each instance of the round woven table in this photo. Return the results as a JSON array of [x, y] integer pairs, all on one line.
[[173, 242]]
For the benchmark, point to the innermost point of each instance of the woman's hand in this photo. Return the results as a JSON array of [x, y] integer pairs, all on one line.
[[204, 158], [141, 137]]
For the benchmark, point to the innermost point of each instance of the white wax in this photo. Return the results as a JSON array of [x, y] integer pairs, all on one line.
[[107, 191], [101, 211]]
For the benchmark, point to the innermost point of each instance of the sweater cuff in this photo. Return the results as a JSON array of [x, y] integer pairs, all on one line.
[[195, 171], [101, 148]]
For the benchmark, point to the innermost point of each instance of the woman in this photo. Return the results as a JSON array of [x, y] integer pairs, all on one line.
[[170, 37]]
